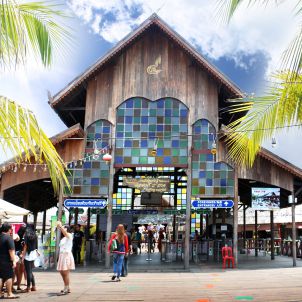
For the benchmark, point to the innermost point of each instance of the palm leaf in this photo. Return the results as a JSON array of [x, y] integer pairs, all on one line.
[[22, 136], [30, 27], [280, 108]]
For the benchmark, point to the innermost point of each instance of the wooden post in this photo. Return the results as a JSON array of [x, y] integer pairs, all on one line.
[[272, 237], [174, 228], [44, 225], [60, 211], [294, 250], [256, 234], [88, 224], [76, 215], [109, 205], [188, 205], [235, 217], [98, 218], [244, 227], [207, 224]]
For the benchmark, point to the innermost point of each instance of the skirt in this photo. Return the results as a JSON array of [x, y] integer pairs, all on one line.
[[65, 262], [6, 269]]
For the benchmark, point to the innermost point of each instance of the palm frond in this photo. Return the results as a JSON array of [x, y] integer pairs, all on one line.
[[30, 26], [292, 56], [23, 137], [266, 115]]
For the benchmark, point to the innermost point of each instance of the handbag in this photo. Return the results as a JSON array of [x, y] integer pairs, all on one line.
[[32, 256], [113, 246]]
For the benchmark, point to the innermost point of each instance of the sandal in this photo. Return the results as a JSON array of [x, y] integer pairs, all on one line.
[[65, 291], [11, 297], [62, 293]]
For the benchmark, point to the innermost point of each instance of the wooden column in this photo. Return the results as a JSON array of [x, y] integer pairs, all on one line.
[[244, 227], [98, 218], [174, 228], [44, 225], [235, 216], [58, 235], [256, 234], [109, 205], [272, 237], [294, 250], [76, 215], [88, 224], [207, 224], [188, 205]]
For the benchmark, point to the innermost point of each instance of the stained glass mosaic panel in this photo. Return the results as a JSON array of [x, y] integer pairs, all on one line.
[[143, 125], [195, 222], [90, 175], [122, 199], [209, 178]]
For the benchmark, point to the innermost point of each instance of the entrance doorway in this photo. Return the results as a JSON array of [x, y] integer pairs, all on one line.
[[156, 219]]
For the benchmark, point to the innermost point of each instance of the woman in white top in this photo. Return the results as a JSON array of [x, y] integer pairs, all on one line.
[[66, 260]]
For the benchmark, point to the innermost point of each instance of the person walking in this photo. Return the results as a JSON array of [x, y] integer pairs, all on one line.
[[29, 255], [7, 261], [118, 240], [77, 243], [125, 263], [66, 260]]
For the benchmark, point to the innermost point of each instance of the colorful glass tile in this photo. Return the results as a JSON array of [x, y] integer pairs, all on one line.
[[163, 123], [209, 178], [91, 177]]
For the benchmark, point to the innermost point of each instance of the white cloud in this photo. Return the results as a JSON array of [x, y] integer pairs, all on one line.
[[252, 29]]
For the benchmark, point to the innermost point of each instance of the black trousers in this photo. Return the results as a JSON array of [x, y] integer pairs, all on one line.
[[76, 255], [29, 273]]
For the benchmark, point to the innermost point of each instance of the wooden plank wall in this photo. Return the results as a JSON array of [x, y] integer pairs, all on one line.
[[69, 150], [126, 77], [263, 170]]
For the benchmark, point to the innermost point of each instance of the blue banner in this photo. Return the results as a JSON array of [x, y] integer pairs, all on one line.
[[85, 203], [206, 204]]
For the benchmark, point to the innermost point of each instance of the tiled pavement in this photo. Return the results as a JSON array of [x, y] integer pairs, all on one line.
[[255, 280]]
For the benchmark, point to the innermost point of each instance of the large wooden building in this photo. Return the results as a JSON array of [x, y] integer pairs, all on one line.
[[153, 102]]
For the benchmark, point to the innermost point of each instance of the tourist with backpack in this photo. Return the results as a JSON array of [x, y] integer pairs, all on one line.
[[118, 245]]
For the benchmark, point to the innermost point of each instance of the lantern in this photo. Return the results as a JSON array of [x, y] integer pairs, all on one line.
[[107, 158]]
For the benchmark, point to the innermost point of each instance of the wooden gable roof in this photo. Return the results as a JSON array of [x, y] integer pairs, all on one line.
[[79, 82]]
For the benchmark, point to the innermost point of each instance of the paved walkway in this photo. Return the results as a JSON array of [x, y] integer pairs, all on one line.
[[279, 281]]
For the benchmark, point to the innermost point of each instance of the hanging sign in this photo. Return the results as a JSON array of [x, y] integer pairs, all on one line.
[[206, 204], [85, 203], [148, 184]]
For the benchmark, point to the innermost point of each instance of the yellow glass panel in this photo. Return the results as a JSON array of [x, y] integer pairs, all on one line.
[[198, 225], [178, 201], [184, 190]]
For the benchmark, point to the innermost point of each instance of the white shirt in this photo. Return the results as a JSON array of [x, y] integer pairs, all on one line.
[[66, 244]]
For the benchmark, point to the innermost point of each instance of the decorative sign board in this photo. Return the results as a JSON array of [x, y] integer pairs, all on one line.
[[148, 184], [214, 204], [85, 203]]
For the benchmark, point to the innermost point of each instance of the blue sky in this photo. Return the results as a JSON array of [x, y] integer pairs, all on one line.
[[246, 50]]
